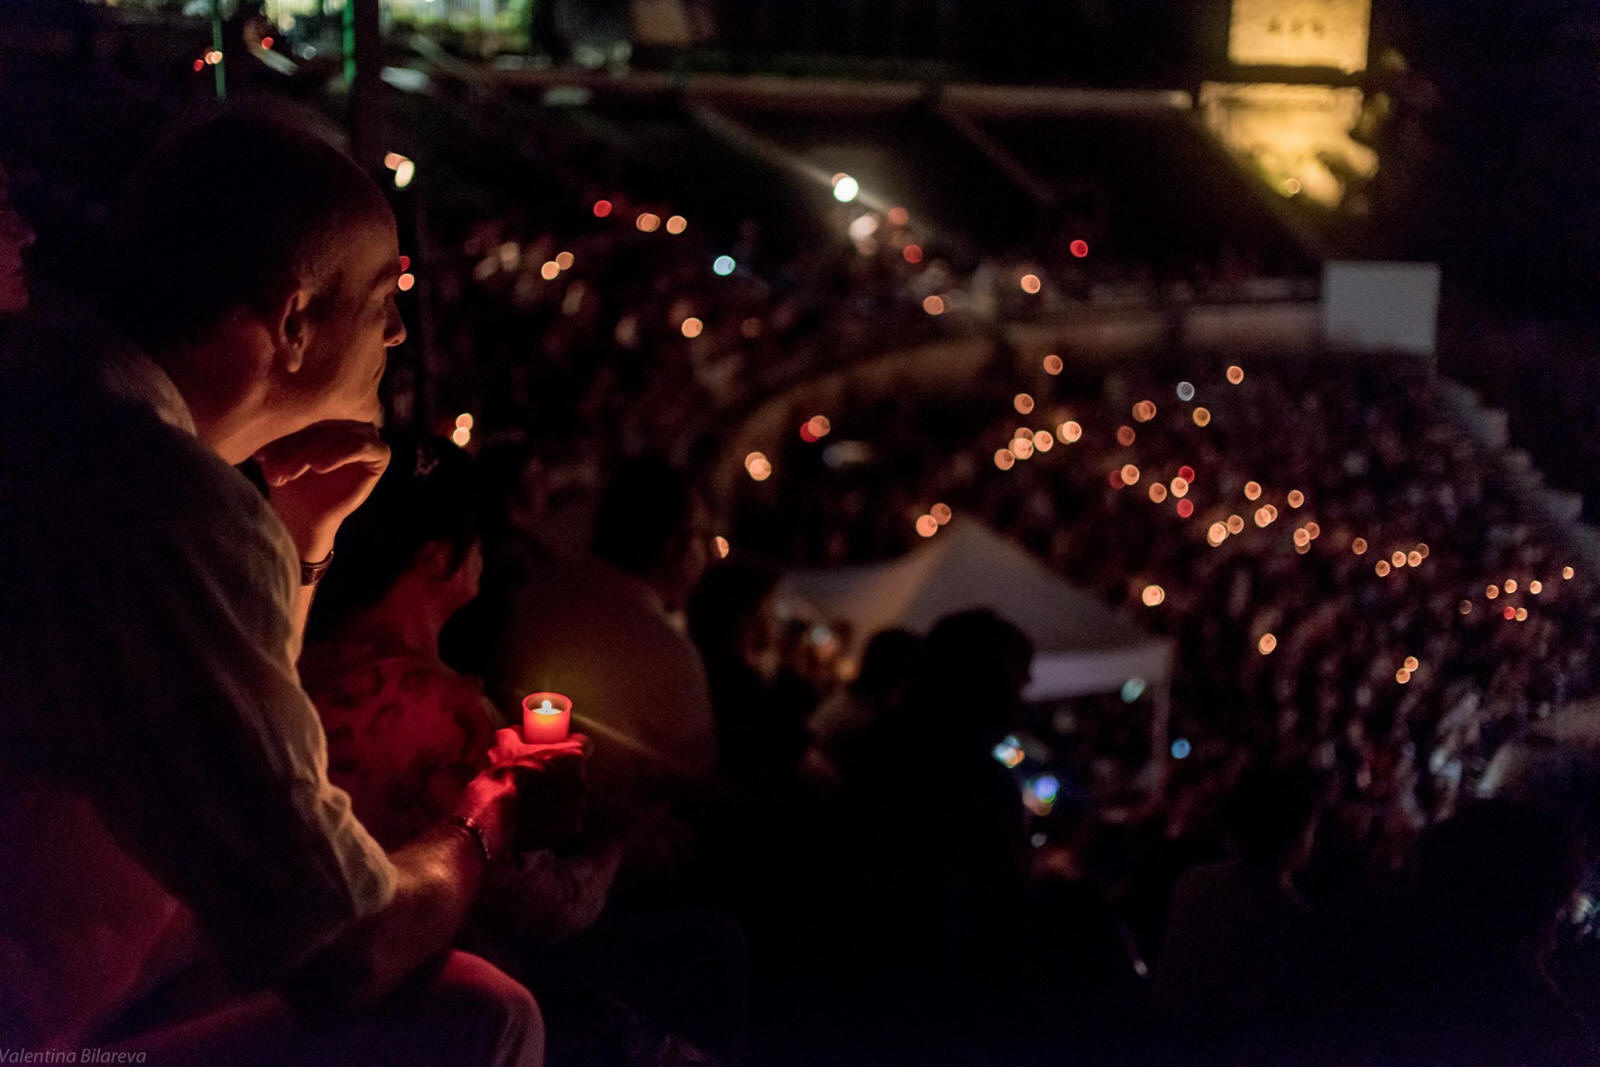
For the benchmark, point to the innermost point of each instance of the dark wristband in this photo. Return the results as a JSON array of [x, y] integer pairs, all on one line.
[[473, 830], [311, 573]]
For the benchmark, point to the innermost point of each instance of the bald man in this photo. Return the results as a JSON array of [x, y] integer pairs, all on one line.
[[176, 871]]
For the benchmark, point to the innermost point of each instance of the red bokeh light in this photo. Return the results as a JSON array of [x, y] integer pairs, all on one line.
[[1185, 508], [199, 65], [1186, 472], [266, 42], [405, 262], [602, 208], [1079, 248], [912, 253]]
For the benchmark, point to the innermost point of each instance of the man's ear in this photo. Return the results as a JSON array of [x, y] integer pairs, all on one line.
[[292, 328]]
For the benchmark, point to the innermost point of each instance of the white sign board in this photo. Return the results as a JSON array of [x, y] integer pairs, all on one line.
[[1300, 33], [1380, 307]]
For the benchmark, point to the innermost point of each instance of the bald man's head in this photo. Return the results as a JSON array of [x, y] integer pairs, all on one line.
[[231, 214]]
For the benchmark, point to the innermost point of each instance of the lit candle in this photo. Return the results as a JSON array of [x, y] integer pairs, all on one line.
[[546, 718]]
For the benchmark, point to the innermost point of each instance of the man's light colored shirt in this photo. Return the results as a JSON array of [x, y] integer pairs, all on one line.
[[161, 769]]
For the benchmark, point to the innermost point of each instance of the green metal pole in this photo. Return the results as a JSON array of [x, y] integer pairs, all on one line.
[[349, 42], [216, 45]]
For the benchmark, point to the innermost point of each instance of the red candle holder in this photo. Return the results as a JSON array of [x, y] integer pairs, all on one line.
[[546, 718]]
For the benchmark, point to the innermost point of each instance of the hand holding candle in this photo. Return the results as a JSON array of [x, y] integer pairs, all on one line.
[[546, 718], [550, 786]]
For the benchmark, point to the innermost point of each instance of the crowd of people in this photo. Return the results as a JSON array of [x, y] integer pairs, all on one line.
[[1353, 579], [266, 799]]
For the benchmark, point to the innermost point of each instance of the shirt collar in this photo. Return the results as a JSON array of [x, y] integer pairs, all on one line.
[[132, 375]]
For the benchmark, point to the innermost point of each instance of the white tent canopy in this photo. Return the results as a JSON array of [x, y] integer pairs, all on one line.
[[1080, 645]]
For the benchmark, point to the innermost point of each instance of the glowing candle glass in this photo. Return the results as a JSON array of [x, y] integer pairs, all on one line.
[[546, 718]]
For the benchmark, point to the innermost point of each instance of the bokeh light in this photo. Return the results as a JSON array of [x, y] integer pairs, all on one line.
[[1266, 644], [1023, 403], [1153, 595], [1235, 374], [1052, 364]]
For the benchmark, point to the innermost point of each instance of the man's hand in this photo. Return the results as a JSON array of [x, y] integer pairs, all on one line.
[[318, 476], [543, 806]]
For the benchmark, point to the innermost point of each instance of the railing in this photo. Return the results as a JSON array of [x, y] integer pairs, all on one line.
[[463, 15]]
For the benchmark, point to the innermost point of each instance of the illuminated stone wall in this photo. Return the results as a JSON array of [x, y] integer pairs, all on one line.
[[1300, 33]]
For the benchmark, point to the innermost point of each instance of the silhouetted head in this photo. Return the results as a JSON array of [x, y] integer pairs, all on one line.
[[731, 615], [973, 670], [420, 526], [649, 525], [1271, 813], [887, 665]]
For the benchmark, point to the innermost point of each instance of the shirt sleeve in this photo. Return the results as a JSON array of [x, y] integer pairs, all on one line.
[[205, 755]]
